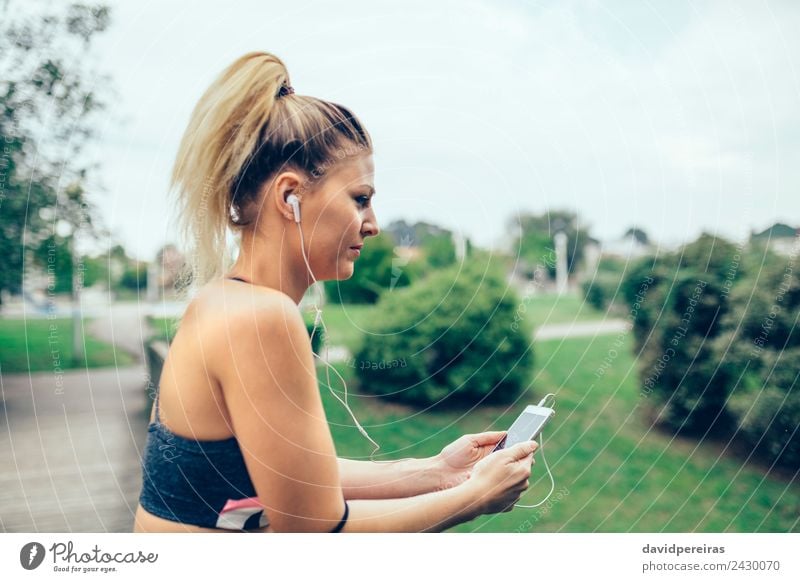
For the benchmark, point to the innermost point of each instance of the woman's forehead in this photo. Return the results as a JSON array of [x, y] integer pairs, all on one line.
[[355, 171]]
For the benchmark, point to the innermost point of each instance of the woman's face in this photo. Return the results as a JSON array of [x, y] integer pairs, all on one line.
[[337, 216]]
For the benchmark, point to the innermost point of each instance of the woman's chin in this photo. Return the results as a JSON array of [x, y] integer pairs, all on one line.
[[345, 271]]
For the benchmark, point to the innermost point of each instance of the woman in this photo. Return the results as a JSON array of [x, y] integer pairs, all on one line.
[[238, 439]]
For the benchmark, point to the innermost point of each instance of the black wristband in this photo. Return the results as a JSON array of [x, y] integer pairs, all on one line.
[[339, 527]]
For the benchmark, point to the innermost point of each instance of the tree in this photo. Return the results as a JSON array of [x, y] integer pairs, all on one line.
[[440, 250], [47, 105], [535, 240], [638, 234]]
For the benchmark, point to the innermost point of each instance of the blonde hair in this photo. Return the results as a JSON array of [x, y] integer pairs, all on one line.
[[245, 129]]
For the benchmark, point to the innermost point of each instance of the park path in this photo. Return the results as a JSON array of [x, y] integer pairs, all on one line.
[[70, 443], [580, 329]]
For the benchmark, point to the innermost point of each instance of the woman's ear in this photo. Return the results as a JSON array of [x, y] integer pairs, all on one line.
[[285, 184]]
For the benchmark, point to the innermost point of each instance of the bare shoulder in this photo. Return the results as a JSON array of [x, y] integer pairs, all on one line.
[[235, 305], [235, 320]]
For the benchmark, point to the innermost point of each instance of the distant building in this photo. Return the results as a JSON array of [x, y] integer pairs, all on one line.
[[780, 238]]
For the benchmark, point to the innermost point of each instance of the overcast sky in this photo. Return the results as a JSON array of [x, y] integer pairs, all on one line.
[[675, 117]]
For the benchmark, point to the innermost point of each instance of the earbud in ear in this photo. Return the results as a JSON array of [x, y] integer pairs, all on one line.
[[295, 202]]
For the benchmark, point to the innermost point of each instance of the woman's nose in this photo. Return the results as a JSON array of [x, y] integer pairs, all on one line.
[[370, 226]]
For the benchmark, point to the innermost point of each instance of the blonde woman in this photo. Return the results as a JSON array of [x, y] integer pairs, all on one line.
[[238, 439]]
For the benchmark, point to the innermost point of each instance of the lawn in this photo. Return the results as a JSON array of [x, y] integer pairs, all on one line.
[[613, 473], [38, 345]]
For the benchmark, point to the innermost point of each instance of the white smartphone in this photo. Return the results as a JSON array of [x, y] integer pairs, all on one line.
[[527, 426]]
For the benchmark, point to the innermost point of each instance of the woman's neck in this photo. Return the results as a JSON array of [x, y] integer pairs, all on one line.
[[272, 261]]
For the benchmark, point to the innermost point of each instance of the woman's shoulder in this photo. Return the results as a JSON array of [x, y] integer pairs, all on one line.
[[226, 305], [233, 325]]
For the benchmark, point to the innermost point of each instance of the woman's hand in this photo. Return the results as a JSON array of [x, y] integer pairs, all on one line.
[[459, 457], [499, 480]]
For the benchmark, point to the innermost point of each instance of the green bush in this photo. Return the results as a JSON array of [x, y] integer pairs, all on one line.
[[605, 289], [377, 269], [759, 354], [602, 291], [454, 338], [718, 343], [134, 278], [316, 339], [679, 365], [675, 327]]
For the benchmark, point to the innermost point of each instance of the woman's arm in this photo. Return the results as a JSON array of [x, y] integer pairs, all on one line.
[[495, 485], [393, 479], [430, 512], [409, 477]]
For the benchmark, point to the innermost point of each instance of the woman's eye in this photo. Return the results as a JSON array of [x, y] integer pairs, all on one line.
[[363, 201]]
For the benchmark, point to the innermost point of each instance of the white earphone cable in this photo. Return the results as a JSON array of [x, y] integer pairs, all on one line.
[[328, 367], [543, 402]]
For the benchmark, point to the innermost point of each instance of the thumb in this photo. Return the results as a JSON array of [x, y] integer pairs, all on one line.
[[488, 438], [522, 450]]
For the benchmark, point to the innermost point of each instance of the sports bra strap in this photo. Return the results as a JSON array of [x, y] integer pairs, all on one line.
[[158, 416]]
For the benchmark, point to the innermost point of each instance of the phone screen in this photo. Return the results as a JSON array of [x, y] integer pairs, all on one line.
[[527, 427]]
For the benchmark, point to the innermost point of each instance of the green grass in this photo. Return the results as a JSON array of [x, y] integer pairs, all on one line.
[[349, 324], [613, 474], [552, 309], [38, 345], [163, 327]]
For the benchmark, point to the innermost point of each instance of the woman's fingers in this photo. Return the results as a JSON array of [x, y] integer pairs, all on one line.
[[488, 438]]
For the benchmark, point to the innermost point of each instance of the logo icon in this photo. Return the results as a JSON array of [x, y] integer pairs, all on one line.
[[31, 555]]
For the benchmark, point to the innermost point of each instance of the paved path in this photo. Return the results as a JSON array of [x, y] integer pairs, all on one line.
[[70, 445], [580, 329], [69, 449], [123, 325]]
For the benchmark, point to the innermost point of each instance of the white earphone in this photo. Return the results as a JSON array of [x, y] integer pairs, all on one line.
[[295, 202]]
